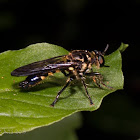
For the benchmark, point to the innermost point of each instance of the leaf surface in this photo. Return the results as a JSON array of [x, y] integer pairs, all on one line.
[[22, 111]]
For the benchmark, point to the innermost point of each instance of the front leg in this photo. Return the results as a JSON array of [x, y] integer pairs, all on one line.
[[97, 79]]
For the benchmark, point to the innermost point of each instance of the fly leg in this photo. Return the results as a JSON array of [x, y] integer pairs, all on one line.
[[58, 94], [84, 84], [98, 79]]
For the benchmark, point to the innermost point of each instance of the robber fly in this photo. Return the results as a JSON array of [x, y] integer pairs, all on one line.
[[76, 65]]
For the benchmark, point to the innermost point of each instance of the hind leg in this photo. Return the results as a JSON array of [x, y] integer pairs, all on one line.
[[58, 94]]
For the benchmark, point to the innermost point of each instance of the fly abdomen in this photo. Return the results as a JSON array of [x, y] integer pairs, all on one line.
[[31, 81]]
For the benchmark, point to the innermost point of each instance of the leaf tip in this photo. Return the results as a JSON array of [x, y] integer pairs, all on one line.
[[123, 47]]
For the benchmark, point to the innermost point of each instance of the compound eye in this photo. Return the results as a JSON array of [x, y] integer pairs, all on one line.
[[101, 60]]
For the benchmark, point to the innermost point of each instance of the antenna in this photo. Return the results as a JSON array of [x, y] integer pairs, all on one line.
[[106, 48]]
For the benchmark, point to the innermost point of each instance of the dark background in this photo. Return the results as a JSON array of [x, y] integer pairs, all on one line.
[[85, 24]]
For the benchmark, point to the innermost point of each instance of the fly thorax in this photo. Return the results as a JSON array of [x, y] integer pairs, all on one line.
[[84, 67]]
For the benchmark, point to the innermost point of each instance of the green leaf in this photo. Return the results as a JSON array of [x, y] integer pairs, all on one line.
[[22, 111], [62, 130]]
